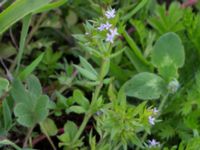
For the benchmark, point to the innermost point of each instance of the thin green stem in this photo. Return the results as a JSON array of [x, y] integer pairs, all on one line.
[[82, 127], [35, 27], [48, 138], [27, 137], [163, 101]]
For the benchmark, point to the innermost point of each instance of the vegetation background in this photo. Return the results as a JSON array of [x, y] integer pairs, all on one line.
[[65, 85]]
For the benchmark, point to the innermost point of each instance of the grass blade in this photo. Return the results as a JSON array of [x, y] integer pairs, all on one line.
[[17, 11], [134, 11], [29, 69], [50, 6], [24, 32]]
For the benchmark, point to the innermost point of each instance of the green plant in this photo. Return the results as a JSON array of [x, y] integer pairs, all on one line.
[[99, 75]]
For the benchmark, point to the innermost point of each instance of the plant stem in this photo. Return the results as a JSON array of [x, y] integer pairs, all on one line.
[[82, 127], [35, 27], [88, 114], [27, 137], [47, 136], [162, 103]]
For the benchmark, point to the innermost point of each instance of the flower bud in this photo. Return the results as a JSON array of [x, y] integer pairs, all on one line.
[[173, 86]]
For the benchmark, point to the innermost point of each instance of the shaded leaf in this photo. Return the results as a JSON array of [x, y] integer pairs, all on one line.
[[145, 86]]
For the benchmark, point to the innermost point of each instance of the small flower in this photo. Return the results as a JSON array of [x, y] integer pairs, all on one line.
[[151, 120], [155, 110], [153, 143], [98, 113], [114, 31], [101, 27], [110, 38], [110, 13], [107, 25], [104, 26], [86, 33]]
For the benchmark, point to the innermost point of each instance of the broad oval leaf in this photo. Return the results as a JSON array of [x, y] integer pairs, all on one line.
[[27, 116], [145, 86], [168, 50], [49, 127]]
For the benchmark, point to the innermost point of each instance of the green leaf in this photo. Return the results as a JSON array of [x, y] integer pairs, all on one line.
[[135, 10], [86, 73], [24, 32], [135, 55], [29, 116], [7, 115], [34, 85], [30, 68], [76, 109], [17, 11], [7, 142], [4, 84], [135, 48], [49, 126], [105, 67], [168, 55], [71, 128], [7, 50], [87, 65], [81, 99], [64, 137], [135, 140], [31, 106], [139, 66], [167, 20], [168, 50], [71, 18], [168, 72], [145, 86], [51, 6], [18, 92]]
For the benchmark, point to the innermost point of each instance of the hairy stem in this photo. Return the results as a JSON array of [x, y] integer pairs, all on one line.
[[82, 127], [95, 96]]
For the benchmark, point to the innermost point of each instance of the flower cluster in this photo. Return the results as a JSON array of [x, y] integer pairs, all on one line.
[[151, 118], [112, 31]]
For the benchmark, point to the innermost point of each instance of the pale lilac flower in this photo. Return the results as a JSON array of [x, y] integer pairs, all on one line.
[[110, 13], [101, 27], [114, 31], [104, 26], [107, 25], [155, 110], [110, 38], [151, 120], [153, 143]]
